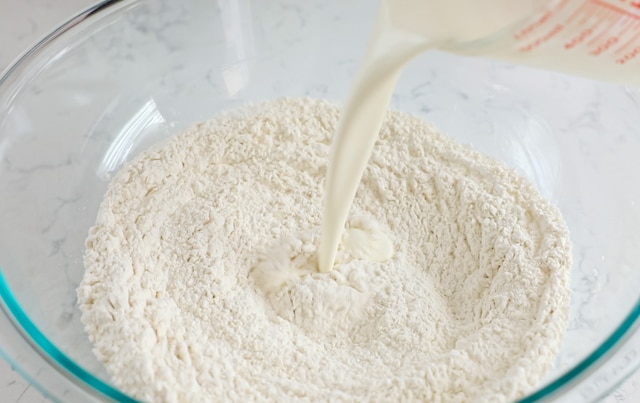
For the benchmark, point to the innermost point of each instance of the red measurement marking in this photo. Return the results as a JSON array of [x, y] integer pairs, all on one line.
[[530, 28], [555, 31], [605, 46], [607, 29], [626, 24], [630, 42], [577, 13], [593, 12], [586, 17], [629, 56], [578, 39], [540, 21], [634, 28], [616, 8]]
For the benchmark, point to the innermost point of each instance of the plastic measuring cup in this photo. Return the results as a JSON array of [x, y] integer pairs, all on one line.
[[593, 38]]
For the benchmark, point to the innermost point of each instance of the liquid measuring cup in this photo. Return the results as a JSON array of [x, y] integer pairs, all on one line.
[[599, 39]]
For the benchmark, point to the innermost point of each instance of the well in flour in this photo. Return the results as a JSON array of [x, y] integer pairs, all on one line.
[[200, 280]]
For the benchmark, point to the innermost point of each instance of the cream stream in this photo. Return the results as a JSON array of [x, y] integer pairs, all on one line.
[[403, 29]]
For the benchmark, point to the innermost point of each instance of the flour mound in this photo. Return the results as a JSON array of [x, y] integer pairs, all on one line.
[[201, 281]]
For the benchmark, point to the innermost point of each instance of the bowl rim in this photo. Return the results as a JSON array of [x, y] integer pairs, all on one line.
[[75, 373]]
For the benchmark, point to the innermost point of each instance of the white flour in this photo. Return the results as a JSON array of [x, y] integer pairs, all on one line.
[[200, 280]]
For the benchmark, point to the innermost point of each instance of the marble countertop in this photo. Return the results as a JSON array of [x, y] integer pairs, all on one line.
[[22, 23]]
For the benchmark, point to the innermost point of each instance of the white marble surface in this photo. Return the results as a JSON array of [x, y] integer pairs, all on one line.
[[22, 22]]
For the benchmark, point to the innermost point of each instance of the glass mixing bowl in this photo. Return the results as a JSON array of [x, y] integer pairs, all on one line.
[[126, 74]]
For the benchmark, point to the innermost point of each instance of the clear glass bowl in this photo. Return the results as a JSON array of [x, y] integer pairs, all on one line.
[[126, 74]]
